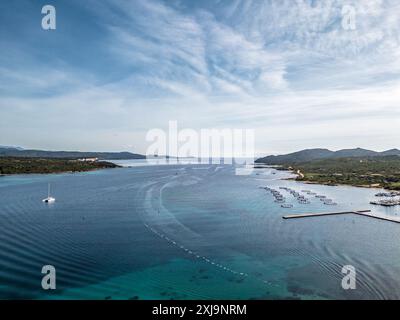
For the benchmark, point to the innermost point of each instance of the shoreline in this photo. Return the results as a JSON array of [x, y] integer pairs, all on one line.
[[321, 183], [27, 166], [357, 171], [58, 172]]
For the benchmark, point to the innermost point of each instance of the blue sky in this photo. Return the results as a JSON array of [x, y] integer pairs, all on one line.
[[112, 70]]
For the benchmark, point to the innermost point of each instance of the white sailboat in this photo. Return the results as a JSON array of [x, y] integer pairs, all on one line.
[[49, 199]]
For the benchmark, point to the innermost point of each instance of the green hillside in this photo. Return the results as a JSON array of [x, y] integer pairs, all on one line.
[[12, 165]]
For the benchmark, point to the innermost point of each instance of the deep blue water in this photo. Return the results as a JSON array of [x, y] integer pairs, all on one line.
[[189, 232]]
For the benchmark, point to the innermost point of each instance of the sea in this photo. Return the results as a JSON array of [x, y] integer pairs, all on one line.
[[191, 231]]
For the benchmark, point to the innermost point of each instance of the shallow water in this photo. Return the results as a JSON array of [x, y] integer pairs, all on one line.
[[189, 232]]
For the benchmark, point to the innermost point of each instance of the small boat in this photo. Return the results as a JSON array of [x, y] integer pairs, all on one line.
[[287, 205], [49, 199]]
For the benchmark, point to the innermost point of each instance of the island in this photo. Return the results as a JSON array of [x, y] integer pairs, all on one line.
[[25, 165], [360, 172], [16, 160], [46, 154], [355, 167]]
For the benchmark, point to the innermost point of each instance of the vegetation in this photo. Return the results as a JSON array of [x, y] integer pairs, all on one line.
[[366, 171], [19, 153], [319, 154], [14, 165]]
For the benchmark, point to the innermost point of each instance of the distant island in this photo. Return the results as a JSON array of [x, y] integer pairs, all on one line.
[[12, 165], [356, 167], [6, 151], [15, 160]]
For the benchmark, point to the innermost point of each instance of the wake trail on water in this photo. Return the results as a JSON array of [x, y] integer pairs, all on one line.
[[165, 225]]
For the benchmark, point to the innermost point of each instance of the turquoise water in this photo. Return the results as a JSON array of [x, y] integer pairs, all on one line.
[[189, 232]]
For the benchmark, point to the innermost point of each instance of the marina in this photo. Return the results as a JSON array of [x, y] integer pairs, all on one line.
[[388, 194], [387, 202], [301, 199]]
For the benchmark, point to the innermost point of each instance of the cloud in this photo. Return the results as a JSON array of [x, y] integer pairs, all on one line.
[[287, 69]]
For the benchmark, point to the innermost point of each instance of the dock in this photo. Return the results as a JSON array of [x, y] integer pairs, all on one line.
[[386, 218], [306, 215], [365, 213]]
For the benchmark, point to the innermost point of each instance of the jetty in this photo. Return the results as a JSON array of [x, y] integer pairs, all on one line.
[[366, 213]]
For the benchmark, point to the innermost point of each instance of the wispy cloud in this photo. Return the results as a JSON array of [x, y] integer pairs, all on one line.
[[286, 68]]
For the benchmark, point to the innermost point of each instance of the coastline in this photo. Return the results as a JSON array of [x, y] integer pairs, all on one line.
[[304, 177], [298, 174], [57, 172], [25, 166], [379, 170]]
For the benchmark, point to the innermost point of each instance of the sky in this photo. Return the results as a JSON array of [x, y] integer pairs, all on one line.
[[292, 71]]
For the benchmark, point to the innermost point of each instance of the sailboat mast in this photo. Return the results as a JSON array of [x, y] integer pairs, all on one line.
[[48, 190]]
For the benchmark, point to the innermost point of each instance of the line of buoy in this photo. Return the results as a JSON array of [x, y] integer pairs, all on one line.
[[205, 259]]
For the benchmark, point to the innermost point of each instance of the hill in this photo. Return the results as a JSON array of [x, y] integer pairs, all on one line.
[[23, 153], [11, 148], [25, 165], [319, 154], [375, 171]]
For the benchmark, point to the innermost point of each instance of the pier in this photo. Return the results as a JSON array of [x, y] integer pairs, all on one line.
[[318, 214], [386, 217], [365, 213]]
